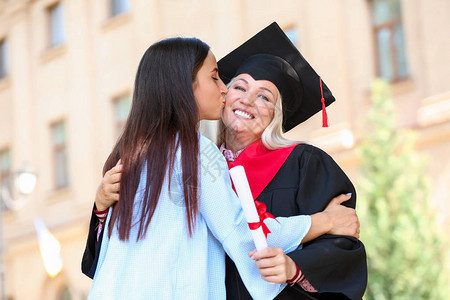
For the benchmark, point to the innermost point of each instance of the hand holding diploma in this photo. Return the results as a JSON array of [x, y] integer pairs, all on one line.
[[248, 204]]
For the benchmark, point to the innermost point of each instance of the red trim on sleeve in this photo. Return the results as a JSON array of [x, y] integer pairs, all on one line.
[[100, 212], [296, 277]]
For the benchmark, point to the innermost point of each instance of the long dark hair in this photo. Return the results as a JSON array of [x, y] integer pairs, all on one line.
[[163, 117]]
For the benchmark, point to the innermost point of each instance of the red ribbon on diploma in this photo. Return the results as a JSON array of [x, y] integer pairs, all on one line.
[[263, 214]]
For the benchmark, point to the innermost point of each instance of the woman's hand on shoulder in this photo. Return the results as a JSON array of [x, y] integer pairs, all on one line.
[[108, 190], [273, 264], [343, 220]]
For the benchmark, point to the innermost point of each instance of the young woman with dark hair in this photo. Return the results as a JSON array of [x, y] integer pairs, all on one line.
[[177, 214], [163, 118]]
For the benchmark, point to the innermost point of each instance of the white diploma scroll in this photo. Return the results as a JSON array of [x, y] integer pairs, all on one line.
[[248, 204]]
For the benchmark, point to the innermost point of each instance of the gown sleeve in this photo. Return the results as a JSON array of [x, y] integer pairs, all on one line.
[[92, 250], [332, 264], [222, 211]]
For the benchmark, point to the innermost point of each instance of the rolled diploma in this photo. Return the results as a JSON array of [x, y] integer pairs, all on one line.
[[248, 204]]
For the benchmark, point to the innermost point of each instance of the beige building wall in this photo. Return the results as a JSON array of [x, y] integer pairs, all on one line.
[[78, 80]]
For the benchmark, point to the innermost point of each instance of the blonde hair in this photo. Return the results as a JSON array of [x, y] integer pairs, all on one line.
[[271, 137]]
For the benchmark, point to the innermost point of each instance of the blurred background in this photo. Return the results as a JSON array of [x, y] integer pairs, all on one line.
[[66, 78]]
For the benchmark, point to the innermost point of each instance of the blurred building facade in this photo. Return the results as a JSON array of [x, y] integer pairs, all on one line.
[[66, 77]]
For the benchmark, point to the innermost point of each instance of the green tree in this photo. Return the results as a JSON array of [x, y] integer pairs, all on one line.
[[406, 255]]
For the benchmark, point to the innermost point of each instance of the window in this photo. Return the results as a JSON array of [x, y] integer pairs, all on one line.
[[292, 34], [60, 155], [121, 110], [56, 25], [4, 59], [5, 169], [390, 43], [119, 7]]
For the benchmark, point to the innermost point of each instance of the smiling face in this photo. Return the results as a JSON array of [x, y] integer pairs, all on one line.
[[209, 90], [249, 106]]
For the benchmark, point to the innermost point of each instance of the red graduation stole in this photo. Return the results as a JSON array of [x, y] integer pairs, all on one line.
[[261, 164]]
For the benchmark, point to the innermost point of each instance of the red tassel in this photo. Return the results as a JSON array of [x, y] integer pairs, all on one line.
[[324, 111]]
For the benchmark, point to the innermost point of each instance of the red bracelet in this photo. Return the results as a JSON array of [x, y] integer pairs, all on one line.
[[296, 277]]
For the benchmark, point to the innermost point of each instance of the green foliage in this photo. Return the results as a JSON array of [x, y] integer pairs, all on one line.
[[406, 256]]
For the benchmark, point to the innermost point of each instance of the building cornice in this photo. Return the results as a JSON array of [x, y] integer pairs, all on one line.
[[434, 110]]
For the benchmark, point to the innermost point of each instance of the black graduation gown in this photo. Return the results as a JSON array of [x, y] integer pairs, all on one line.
[[92, 250], [335, 265]]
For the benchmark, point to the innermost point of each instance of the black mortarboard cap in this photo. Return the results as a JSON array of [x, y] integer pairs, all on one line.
[[270, 55]]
